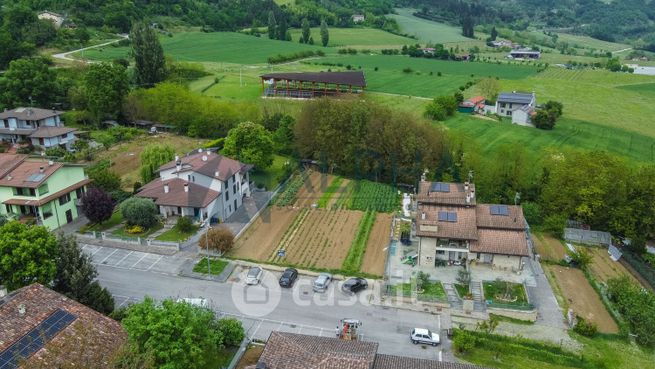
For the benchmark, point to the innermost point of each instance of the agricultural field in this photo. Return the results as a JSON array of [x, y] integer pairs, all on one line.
[[358, 38], [376, 248], [263, 236], [549, 247], [585, 42], [426, 30], [366, 195], [227, 47], [603, 268], [581, 297]]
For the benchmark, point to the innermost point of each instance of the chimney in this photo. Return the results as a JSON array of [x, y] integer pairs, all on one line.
[[177, 158], [468, 199], [208, 152], [199, 151], [423, 216], [204, 158], [216, 173], [21, 309], [186, 187], [41, 169], [3, 291], [466, 186], [51, 163], [166, 188], [472, 194]]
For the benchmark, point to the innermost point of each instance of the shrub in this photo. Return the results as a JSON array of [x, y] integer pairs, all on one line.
[[219, 239], [407, 70], [97, 205], [135, 229], [585, 327], [184, 224], [55, 151], [214, 144], [464, 341], [232, 331], [139, 211]]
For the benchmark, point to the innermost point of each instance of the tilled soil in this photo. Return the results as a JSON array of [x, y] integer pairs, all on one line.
[[376, 247]]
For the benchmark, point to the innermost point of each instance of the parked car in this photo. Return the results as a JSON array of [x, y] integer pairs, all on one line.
[[421, 335], [254, 275], [198, 301], [354, 285], [288, 277], [321, 282]]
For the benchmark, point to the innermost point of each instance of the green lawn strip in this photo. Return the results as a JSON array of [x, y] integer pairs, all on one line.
[[175, 235], [511, 320], [116, 219], [329, 191], [271, 176], [462, 290], [217, 265], [353, 261], [310, 268], [433, 290], [493, 290], [122, 232]]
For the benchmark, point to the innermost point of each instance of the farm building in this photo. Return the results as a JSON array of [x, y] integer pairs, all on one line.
[[473, 105], [519, 106], [203, 185], [312, 84], [452, 227], [524, 54]]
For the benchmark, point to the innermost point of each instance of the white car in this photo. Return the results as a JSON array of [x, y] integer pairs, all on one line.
[[200, 302], [254, 275], [421, 335], [321, 282]]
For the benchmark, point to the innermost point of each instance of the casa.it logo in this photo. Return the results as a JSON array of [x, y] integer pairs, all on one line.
[[256, 300]]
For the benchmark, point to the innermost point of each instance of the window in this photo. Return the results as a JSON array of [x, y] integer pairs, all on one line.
[[65, 199], [447, 216], [47, 211], [234, 188], [9, 209], [440, 252], [63, 137], [41, 141], [21, 191], [502, 105], [79, 193], [510, 105], [509, 112], [227, 195], [43, 189]]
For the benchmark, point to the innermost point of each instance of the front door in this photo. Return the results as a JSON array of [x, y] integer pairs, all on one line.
[[69, 216]]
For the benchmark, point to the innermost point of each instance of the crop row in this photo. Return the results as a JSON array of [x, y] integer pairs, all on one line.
[[288, 196], [288, 235], [329, 191], [353, 261], [374, 196]]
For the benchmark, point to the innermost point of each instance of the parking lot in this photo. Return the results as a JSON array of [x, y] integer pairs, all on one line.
[[134, 260]]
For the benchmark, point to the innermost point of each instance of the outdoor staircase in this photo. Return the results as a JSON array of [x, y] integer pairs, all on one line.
[[454, 300], [476, 291]]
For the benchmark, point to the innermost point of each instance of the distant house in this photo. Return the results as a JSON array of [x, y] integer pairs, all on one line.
[[41, 127], [203, 185], [502, 43], [524, 54], [427, 50], [473, 105], [48, 330], [358, 18], [55, 18], [463, 57], [519, 106]]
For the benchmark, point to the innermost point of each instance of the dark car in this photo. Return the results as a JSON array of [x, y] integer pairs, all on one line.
[[288, 277], [354, 285]]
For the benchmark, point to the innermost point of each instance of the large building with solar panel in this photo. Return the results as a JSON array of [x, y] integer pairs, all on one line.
[[454, 229]]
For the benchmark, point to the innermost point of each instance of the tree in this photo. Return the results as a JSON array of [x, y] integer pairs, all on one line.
[[179, 335], [76, 275], [220, 239], [184, 224], [441, 107], [555, 107], [283, 137], [27, 255], [272, 25], [544, 119], [97, 205], [306, 31], [12, 49], [494, 34], [489, 87], [325, 34], [463, 341], [282, 29], [232, 331], [152, 157], [28, 82], [250, 143], [581, 257], [105, 86], [463, 277], [149, 61], [139, 211], [467, 27]]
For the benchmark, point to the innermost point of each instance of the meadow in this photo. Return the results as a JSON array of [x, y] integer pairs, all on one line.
[[426, 30], [358, 38], [228, 47]]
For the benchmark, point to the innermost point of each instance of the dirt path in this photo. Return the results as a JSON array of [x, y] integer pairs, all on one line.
[[313, 189], [582, 298], [65, 56], [376, 247], [263, 236]]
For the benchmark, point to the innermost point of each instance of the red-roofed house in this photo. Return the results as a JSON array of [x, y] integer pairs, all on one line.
[[203, 185]]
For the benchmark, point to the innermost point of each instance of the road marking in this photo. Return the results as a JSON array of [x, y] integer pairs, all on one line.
[[108, 256], [439, 322], [84, 247], [440, 355], [124, 257], [156, 261], [123, 303], [299, 329], [97, 249], [138, 261]]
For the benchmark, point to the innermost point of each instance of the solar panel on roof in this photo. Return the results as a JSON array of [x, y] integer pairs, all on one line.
[[443, 216], [440, 187], [35, 177], [452, 217], [35, 339], [499, 210]]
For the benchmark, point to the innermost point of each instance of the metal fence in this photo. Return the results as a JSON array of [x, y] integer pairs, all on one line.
[[587, 237]]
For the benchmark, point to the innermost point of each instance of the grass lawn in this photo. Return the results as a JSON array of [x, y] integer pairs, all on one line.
[[227, 47], [426, 30], [271, 176], [175, 235], [495, 292], [585, 42], [116, 219], [462, 290], [122, 232], [401, 289], [433, 289], [357, 37], [216, 265], [220, 358]]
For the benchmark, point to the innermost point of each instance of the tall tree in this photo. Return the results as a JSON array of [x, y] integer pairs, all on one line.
[[325, 34], [28, 82], [282, 29], [152, 157], [494, 34], [250, 143], [489, 87], [27, 255], [105, 86], [272, 26], [467, 26], [97, 205], [150, 65], [306, 30]]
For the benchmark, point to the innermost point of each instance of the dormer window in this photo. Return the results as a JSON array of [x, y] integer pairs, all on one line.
[[447, 216]]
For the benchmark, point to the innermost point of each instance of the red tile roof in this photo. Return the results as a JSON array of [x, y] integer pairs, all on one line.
[[28, 174], [197, 196], [513, 220], [477, 99], [208, 163], [494, 241], [456, 195], [464, 228], [8, 162], [102, 333], [402, 362]]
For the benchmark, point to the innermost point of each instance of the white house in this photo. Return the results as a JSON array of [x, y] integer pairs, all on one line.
[[40, 127], [358, 18], [55, 18], [519, 106], [203, 185]]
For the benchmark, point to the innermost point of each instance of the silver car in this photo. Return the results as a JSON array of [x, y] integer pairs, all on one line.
[[321, 282], [254, 275]]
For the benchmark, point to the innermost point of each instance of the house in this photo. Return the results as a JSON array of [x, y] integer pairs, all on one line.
[[299, 351], [502, 43], [427, 50], [48, 329], [519, 106], [358, 18], [452, 227], [55, 18], [203, 185], [463, 57], [473, 105], [524, 54], [40, 127], [44, 191]]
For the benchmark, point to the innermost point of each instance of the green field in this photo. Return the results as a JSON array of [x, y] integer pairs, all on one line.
[[424, 80], [228, 47], [568, 133], [642, 88], [425, 30], [358, 37], [585, 42]]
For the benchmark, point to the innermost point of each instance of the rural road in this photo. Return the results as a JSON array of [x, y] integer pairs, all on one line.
[[622, 50], [65, 56]]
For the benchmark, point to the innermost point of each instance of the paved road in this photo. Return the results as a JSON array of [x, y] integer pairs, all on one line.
[[130, 275]]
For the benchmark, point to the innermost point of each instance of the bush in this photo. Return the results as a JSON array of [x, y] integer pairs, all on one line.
[[584, 327], [407, 70], [295, 56], [184, 224], [214, 144], [220, 239], [464, 341], [97, 205], [55, 151], [139, 211], [555, 224], [232, 331], [136, 229]]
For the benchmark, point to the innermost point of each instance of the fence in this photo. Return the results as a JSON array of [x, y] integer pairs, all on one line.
[[239, 354], [131, 240], [499, 305], [640, 266]]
